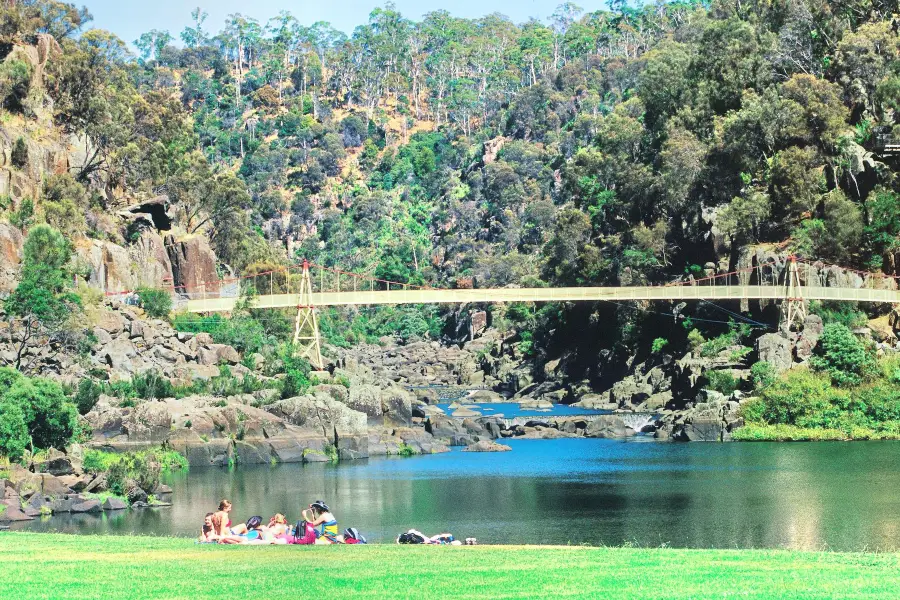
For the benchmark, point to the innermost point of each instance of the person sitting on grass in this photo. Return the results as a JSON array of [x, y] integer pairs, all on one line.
[[218, 524], [278, 525], [319, 515], [222, 519], [208, 533]]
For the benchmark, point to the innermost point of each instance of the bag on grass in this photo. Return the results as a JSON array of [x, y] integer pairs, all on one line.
[[304, 533], [411, 537]]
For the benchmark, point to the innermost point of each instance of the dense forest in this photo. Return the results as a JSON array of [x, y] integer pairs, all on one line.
[[622, 146]]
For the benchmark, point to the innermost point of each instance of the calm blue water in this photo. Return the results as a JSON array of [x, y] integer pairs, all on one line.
[[582, 491], [511, 410]]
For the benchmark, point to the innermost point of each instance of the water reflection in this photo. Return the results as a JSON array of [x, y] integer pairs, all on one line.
[[808, 496]]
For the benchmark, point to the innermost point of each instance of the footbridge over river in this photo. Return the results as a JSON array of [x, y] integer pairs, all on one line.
[[306, 286]]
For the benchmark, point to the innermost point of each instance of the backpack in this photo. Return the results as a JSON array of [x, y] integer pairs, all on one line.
[[352, 533], [304, 533], [410, 538]]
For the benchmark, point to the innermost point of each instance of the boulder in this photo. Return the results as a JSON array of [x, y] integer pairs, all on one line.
[[51, 486], [427, 395], [322, 414], [149, 422], [775, 349], [608, 426], [134, 492], [251, 453], [14, 514], [487, 446], [137, 329], [88, 506], [365, 399], [111, 322], [396, 405], [464, 412], [809, 337], [352, 447], [628, 391], [442, 426], [225, 354], [113, 503], [119, 354], [702, 430]]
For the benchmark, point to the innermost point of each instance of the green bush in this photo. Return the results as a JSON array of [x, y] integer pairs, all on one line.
[[157, 303], [244, 332], [8, 376], [23, 217], [50, 418], [845, 313], [695, 340], [658, 345], [13, 431], [843, 356], [762, 374], [722, 381], [151, 385], [143, 467], [19, 153], [87, 395]]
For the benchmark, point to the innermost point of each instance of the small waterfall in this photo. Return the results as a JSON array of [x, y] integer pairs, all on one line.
[[638, 421], [509, 422]]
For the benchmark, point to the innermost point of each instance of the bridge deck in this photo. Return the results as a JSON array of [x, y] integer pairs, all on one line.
[[679, 292]]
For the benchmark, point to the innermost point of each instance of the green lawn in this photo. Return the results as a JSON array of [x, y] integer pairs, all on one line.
[[36, 566]]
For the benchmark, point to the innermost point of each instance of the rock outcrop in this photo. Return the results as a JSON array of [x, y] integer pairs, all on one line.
[[193, 266], [10, 256]]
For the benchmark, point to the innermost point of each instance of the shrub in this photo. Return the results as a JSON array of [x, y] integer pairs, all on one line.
[[22, 218], [658, 345], [144, 468], [843, 356], [695, 340], [798, 394], [151, 385], [50, 418], [406, 450], [157, 303], [8, 376], [722, 381], [762, 374], [19, 153], [296, 372], [87, 395], [13, 431]]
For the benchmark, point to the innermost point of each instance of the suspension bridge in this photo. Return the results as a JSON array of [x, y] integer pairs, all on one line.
[[306, 286]]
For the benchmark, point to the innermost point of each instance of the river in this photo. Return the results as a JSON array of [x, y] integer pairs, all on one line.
[[840, 496]]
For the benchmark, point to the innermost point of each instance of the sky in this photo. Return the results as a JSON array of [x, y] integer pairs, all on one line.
[[128, 19]]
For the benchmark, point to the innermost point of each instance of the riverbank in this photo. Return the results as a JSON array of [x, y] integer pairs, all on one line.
[[54, 566]]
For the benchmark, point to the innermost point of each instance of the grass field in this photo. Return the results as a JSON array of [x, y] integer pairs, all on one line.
[[37, 566]]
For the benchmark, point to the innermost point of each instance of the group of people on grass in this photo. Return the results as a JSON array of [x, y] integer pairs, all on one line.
[[317, 526]]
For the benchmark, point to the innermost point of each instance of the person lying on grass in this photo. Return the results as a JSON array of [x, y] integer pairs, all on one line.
[[252, 532]]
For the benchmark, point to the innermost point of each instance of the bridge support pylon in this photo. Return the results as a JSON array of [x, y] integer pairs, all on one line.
[[794, 308], [306, 326]]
